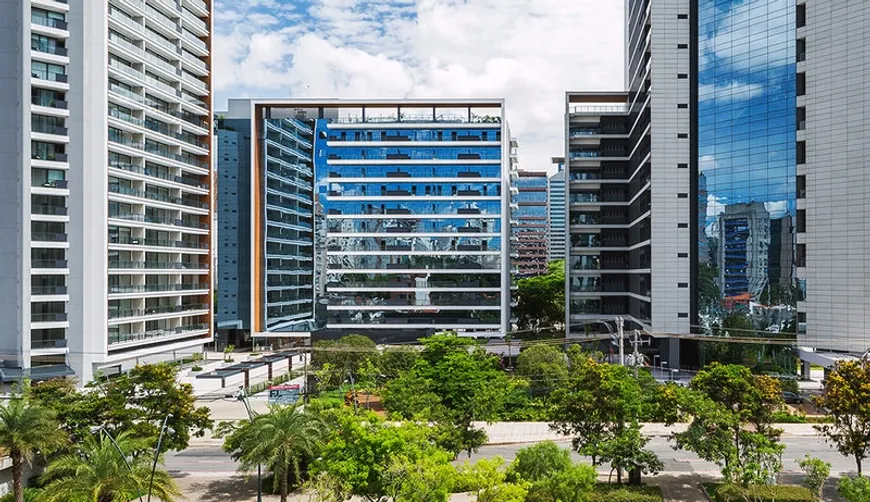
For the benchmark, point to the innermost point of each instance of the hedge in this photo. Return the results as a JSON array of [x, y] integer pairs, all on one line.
[[625, 493], [758, 493]]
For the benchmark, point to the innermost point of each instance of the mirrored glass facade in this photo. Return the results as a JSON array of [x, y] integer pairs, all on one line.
[[529, 223], [746, 189]]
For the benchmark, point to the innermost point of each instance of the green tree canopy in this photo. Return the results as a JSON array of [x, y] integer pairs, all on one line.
[[96, 472], [731, 424], [455, 383], [846, 394], [544, 366], [541, 299]]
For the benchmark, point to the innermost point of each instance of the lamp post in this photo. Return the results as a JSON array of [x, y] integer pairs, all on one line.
[[157, 454], [656, 357], [120, 452], [662, 366]]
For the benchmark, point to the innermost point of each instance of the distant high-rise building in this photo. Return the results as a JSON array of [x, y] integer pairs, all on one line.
[[106, 184], [401, 206], [529, 223], [556, 211]]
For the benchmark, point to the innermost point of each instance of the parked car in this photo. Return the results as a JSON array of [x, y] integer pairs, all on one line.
[[792, 398]]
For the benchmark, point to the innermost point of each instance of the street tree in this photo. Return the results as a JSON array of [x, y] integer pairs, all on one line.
[[345, 355], [599, 407], [539, 461], [544, 366], [98, 472], [26, 430], [465, 385], [541, 299], [281, 439], [846, 396], [732, 422]]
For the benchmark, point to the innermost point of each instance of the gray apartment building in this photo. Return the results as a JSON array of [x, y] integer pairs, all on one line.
[[384, 217]]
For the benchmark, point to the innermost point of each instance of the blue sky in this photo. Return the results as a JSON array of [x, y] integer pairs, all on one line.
[[527, 51]]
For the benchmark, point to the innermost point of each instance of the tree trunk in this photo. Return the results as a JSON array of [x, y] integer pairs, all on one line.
[[857, 462], [283, 483], [17, 476], [634, 476]]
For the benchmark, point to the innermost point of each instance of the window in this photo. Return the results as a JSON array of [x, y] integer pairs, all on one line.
[[801, 49], [682, 196], [801, 255], [682, 105], [801, 84], [682, 46], [682, 225], [682, 284], [683, 135], [682, 255], [46, 97], [43, 43], [801, 16], [682, 75], [683, 315], [682, 16], [47, 124], [801, 220], [682, 166], [801, 186], [801, 152]]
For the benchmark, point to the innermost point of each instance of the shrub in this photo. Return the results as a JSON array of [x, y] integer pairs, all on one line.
[[617, 493], [196, 368], [758, 493], [784, 417], [816, 472], [539, 461], [854, 489], [574, 484], [30, 495]]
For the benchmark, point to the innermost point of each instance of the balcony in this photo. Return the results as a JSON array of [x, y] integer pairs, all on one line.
[[130, 49], [196, 63], [46, 48], [116, 338], [194, 24], [39, 263], [197, 6], [125, 21], [158, 41], [196, 84], [161, 64], [49, 77], [128, 71], [45, 344], [145, 171], [61, 184], [199, 47], [47, 237], [143, 218]]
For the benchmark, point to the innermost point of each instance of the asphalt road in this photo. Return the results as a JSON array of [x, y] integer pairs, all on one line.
[[208, 461]]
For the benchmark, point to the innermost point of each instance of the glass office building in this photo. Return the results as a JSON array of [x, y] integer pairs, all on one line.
[[387, 216], [746, 128]]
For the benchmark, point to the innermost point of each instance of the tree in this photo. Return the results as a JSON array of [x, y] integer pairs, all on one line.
[[366, 457], [544, 366], [281, 439], [732, 422], [136, 402], [539, 461], [27, 429], [599, 406], [346, 354], [97, 472], [462, 383], [572, 484], [541, 299], [395, 361], [846, 394], [426, 479]]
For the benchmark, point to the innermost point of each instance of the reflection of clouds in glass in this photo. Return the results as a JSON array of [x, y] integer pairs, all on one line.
[[735, 36], [776, 208], [726, 92], [715, 206]]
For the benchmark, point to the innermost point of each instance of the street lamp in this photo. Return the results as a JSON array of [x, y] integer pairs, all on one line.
[[655, 358], [103, 429], [662, 367], [157, 454]]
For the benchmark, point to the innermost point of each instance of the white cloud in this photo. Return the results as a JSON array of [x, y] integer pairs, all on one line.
[[729, 91], [527, 51], [744, 43]]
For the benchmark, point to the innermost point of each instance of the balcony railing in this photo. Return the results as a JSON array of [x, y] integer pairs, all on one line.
[[159, 197], [48, 317], [115, 338], [126, 21], [38, 263], [62, 184], [48, 48], [48, 237], [127, 46], [48, 290], [158, 265], [194, 61], [162, 309], [141, 241], [153, 288], [162, 42], [50, 22], [156, 174], [194, 21], [48, 209], [196, 42], [159, 221], [156, 61], [56, 343]]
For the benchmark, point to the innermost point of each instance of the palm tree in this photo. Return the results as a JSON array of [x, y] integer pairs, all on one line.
[[98, 473], [25, 430], [280, 439]]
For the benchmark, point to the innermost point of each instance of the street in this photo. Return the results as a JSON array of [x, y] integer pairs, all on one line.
[[213, 461]]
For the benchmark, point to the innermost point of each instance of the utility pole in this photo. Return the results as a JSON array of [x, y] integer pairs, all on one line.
[[636, 342], [619, 325]]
